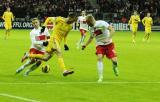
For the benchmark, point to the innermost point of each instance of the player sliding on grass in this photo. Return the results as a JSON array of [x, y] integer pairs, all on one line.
[[38, 36], [102, 32], [83, 28], [147, 22], [60, 32]]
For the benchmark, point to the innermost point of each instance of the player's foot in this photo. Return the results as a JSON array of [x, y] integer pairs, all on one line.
[[67, 72], [143, 40], [77, 45], [133, 41], [100, 79], [24, 57], [18, 70], [26, 73], [116, 71]]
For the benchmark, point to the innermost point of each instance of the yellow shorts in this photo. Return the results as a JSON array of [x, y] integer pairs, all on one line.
[[8, 25], [53, 45], [147, 30], [134, 28]]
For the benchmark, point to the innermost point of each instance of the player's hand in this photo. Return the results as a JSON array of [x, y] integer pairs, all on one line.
[[128, 26], [83, 47], [42, 29], [66, 47], [45, 43]]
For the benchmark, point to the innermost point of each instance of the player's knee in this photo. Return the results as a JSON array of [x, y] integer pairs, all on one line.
[[38, 63]]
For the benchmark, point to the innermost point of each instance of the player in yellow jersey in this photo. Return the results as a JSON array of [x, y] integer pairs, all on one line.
[[60, 32], [147, 22], [133, 22], [48, 20], [8, 18]]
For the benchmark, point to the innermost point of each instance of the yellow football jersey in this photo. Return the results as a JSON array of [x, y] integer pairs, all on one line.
[[61, 29], [8, 16], [147, 21], [49, 19], [134, 19]]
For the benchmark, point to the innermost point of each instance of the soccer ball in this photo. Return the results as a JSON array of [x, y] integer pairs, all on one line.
[[45, 68]]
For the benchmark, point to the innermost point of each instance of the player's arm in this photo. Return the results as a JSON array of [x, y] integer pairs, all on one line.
[[3, 17], [12, 17], [151, 21], [138, 19], [129, 22], [111, 29], [88, 42], [143, 21]]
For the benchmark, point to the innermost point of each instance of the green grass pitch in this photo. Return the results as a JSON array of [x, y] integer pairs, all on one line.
[[139, 66]]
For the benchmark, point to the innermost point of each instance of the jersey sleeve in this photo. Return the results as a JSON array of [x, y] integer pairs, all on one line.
[[33, 39]]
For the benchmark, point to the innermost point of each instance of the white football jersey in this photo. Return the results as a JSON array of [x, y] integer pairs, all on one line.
[[82, 21], [37, 38], [101, 33]]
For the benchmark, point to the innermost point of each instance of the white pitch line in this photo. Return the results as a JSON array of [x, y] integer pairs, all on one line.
[[85, 82], [17, 97]]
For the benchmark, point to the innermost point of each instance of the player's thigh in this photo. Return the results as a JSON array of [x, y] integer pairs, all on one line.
[[147, 30], [9, 25], [6, 26], [134, 28], [111, 53]]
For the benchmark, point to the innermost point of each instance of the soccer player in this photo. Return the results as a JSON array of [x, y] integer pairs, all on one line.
[[102, 32], [147, 22], [83, 28], [60, 32], [133, 22], [38, 36], [8, 18]]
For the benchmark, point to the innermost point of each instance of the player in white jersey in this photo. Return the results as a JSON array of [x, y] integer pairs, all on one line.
[[102, 32], [38, 37], [83, 27]]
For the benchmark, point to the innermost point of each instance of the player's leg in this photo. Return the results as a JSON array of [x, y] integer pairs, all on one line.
[[6, 30], [33, 67], [29, 62], [148, 34], [145, 35], [83, 36], [134, 32], [62, 65], [115, 66], [111, 54], [100, 67]]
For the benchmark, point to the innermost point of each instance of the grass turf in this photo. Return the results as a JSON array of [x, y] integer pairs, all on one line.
[[137, 63]]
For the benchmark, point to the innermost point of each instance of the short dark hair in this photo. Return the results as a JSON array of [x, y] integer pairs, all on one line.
[[72, 15]]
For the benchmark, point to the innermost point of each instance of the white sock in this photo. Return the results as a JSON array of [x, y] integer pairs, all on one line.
[[100, 69], [25, 65]]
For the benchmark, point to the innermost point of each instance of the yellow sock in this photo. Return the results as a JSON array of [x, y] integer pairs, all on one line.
[[40, 56], [61, 63]]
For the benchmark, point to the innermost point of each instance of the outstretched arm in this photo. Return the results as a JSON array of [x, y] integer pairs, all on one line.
[[87, 43]]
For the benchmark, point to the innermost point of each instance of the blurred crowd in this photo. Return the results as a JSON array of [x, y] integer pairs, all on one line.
[[43, 8], [122, 9], [114, 10]]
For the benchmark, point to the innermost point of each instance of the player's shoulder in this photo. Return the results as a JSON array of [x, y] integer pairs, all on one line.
[[32, 31], [101, 22], [60, 19]]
